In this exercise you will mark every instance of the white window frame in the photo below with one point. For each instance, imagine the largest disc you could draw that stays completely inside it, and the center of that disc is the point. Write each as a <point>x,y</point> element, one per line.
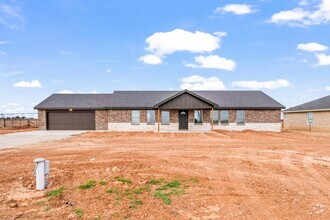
<point>169,115</point>
<point>308,118</point>
<point>132,120</point>
<point>224,123</point>
<point>201,113</point>
<point>240,123</point>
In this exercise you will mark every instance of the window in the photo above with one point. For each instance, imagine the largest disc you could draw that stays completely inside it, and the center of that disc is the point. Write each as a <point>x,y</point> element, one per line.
<point>240,117</point>
<point>165,117</point>
<point>224,116</point>
<point>310,118</point>
<point>151,117</point>
<point>215,116</point>
<point>198,117</point>
<point>135,117</point>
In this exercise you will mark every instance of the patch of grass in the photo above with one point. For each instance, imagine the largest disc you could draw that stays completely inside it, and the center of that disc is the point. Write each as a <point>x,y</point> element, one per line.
<point>135,202</point>
<point>102,182</point>
<point>88,185</point>
<point>137,191</point>
<point>123,180</point>
<point>171,184</point>
<point>57,192</point>
<point>113,190</point>
<point>163,196</point>
<point>79,212</point>
<point>154,182</point>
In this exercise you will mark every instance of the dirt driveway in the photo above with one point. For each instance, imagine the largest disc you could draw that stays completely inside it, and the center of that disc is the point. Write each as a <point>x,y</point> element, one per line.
<point>227,175</point>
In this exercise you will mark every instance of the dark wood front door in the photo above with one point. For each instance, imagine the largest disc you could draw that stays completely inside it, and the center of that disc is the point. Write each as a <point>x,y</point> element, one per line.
<point>183,120</point>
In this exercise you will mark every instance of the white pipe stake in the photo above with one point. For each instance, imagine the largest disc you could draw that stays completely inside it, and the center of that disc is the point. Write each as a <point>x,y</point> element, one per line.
<point>40,173</point>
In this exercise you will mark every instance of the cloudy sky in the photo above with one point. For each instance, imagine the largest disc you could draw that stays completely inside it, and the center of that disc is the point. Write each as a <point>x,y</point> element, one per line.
<point>70,46</point>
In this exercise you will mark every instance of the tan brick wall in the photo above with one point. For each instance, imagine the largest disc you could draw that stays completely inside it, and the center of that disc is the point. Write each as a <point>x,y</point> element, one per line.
<point>101,119</point>
<point>298,121</point>
<point>42,119</point>
<point>119,116</point>
<point>263,116</point>
<point>232,116</point>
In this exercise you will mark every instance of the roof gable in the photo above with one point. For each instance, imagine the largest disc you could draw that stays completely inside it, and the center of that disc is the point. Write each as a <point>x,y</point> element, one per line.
<point>185,99</point>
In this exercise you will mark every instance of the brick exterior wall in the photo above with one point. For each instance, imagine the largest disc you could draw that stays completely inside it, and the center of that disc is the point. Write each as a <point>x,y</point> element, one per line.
<point>263,116</point>
<point>298,121</point>
<point>232,116</point>
<point>101,119</point>
<point>42,123</point>
<point>119,116</point>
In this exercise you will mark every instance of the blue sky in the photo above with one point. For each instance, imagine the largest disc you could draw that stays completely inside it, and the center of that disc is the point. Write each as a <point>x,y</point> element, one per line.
<point>277,46</point>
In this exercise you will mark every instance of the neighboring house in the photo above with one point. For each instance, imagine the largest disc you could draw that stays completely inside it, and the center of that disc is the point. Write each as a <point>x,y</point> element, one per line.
<point>314,115</point>
<point>161,111</point>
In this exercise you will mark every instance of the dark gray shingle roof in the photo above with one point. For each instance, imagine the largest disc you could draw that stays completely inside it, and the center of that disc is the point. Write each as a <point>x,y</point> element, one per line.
<point>148,99</point>
<point>318,104</point>
<point>75,101</point>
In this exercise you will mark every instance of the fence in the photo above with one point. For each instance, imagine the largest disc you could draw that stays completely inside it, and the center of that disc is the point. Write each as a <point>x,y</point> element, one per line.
<point>18,120</point>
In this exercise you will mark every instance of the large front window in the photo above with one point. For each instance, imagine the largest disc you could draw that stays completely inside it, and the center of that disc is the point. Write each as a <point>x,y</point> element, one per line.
<point>198,117</point>
<point>224,116</point>
<point>240,117</point>
<point>135,117</point>
<point>165,117</point>
<point>215,117</point>
<point>151,117</point>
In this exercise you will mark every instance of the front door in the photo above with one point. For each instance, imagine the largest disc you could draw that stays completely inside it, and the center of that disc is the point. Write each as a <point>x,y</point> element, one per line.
<point>183,120</point>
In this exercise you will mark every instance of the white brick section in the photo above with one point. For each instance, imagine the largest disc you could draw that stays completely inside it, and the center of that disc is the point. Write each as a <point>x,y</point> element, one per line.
<point>192,127</point>
<point>250,126</point>
<point>130,127</point>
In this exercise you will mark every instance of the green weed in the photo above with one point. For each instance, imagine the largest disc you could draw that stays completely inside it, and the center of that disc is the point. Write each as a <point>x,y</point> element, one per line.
<point>88,185</point>
<point>56,192</point>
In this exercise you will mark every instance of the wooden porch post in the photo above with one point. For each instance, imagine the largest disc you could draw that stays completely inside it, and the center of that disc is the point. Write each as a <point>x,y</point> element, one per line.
<point>158,119</point>
<point>212,118</point>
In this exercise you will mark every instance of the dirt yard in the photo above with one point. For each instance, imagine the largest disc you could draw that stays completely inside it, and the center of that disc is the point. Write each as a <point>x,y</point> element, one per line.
<point>220,175</point>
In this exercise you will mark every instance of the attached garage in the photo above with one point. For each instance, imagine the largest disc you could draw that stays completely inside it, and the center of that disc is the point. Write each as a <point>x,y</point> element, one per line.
<point>71,120</point>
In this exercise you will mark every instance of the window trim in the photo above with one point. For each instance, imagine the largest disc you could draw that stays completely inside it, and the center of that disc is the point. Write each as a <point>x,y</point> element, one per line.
<point>241,123</point>
<point>151,123</point>
<point>214,111</point>
<point>132,117</point>
<point>161,118</point>
<point>224,123</point>
<point>310,113</point>
<point>198,123</point>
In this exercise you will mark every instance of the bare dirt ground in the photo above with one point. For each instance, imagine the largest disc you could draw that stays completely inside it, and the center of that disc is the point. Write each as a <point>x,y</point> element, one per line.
<point>8,131</point>
<point>219,175</point>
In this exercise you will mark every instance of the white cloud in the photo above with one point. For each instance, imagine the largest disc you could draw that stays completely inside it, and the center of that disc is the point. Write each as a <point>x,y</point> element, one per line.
<point>11,73</point>
<point>302,16</point>
<point>280,83</point>
<point>213,62</point>
<point>11,17</point>
<point>237,9</point>
<point>327,88</point>
<point>66,92</point>
<point>312,47</point>
<point>323,59</point>
<point>66,53</point>
<point>197,82</point>
<point>4,42</point>
<point>26,84</point>
<point>162,43</point>
<point>12,104</point>
<point>2,53</point>
<point>108,70</point>
<point>150,59</point>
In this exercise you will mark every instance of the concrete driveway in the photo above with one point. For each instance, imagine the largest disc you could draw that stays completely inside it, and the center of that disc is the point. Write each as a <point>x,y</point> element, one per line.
<point>25,138</point>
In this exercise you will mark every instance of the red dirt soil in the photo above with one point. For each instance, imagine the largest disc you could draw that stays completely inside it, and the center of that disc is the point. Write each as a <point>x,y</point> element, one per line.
<point>236,175</point>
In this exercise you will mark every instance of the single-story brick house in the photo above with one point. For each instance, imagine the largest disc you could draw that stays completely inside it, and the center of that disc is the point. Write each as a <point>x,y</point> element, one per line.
<point>314,115</point>
<point>161,111</point>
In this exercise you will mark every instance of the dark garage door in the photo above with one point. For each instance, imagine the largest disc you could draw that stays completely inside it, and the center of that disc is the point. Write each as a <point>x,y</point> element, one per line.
<point>75,120</point>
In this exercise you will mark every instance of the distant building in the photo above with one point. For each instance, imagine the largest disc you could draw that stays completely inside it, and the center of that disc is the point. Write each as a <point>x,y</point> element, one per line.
<point>314,115</point>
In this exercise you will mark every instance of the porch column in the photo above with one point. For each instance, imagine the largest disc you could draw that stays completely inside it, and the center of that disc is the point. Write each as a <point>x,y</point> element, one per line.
<point>212,118</point>
<point>158,119</point>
